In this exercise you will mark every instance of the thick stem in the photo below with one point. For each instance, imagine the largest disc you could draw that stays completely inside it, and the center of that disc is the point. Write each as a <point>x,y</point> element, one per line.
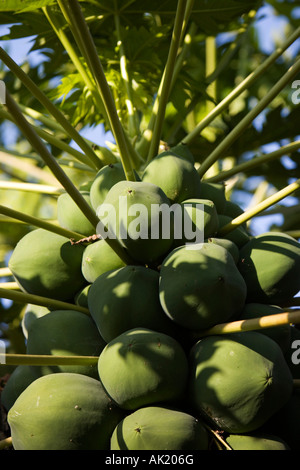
<point>53,110</point>
<point>48,360</point>
<point>249,118</point>
<point>31,187</point>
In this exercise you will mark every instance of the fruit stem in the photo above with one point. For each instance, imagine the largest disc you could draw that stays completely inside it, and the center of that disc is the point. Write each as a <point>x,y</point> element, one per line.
<point>48,360</point>
<point>249,214</point>
<point>56,113</point>
<point>244,85</point>
<point>31,187</point>
<point>5,272</point>
<point>252,324</point>
<point>76,20</point>
<point>25,298</point>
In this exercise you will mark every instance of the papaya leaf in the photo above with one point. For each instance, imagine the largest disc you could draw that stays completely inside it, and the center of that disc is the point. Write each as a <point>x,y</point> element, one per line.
<point>23,5</point>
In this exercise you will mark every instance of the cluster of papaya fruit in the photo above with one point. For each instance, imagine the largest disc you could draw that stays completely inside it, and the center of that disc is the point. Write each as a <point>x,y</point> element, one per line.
<point>160,380</point>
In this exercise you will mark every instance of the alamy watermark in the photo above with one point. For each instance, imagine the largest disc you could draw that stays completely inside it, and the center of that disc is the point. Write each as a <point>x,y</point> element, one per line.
<point>180,222</point>
<point>296,94</point>
<point>2,352</point>
<point>2,92</point>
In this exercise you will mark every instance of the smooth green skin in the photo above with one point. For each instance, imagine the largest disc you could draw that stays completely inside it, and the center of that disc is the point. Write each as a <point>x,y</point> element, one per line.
<point>105,179</point>
<point>176,176</point>
<point>149,248</point>
<point>201,287</point>
<point>63,411</point>
<point>142,367</point>
<point>270,265</point>
<point>81,298</point>
<point>228,244</point>
<point>256,442</point>
<point>127,298</point>
<point>183,151</point>
<point>32,312</point>
<point>238,235</point>
<point>71,217</point>
<point>98,258</point>
<point>46,264</point>
<point>281,334</point>
<point>20,378</point>
<point>214,192</point>
<point>159,428</point>
<point>200,215</point>
<point>239,380</point>
<point>233,210</point>
<point>65,333</point>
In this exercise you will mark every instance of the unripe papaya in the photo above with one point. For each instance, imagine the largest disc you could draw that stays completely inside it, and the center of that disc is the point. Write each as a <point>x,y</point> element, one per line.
<point>63,411</point>
<point>228,244</point>
<point>81,298</point>
<point>71,217</point>
<point>32,312</point>
<point>238,235</point>
<point>65,333</point>
<point>239,381</point>
<point>20,378</point>
<point>98,258</point>
<point>256,441</point>
<point>159,428</point>
<point>134,212</point>
<point>142,367</point>
<point>127,298</point>
<point>105,179</point>
<point>46,264</point>
<point>201,286</point>
<point>183,151</point>
<point>214,192</point>
<point>176,176</point>
<point>270,265</point>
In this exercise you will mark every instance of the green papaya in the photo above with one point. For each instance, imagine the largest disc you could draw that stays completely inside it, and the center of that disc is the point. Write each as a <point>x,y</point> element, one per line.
<point>270,265</point>
<point>98,258</point>
<point>214,192</point>
<point>81,298</point>
<point>256,441</point>
<point>63,411</point>
<point>239,381</point>
<point>65,333</point>
<point>183,151</point>
<point>238,235</point>
<point>127,298</point>
<point>228,244</point>
<point>135,213</point>
<point>279,333</point>
<point>199,220</point>
<point>201,286</point>
<point>142,367</point>
<point>69,215</point>
<point>20,378</point>
<point>233,210</point>
<point>46,264</point>
<point>105,179</point>
<point>32,312</point>
<point>176,176</point>
<point>159,428</point>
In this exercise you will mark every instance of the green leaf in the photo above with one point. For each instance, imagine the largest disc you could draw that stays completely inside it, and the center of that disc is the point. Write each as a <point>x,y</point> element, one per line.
<point>23,5</point>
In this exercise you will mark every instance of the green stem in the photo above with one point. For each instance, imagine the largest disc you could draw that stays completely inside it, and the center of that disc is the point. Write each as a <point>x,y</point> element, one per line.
<point>254,162</point>
<point>76,19</point>
<point>91,157</point>
<point>48,360</point>
<point>24,298</point>
<point>161,101</point>
<point>249,214</point>
<point>248,119</point>
<point>10,285</point>
<point>244,85</point>
<point>31,220</point>
<point>5,272</point>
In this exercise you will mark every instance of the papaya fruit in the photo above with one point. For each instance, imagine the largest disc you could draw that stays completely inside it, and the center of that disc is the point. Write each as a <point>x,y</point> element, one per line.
<point>238,235</point>
<point>256,441</point>
<point>32,312</point>
<point>239,380</point>
<point>183,151</point>
<point>63,411</point>
<point>228,244</point>
<point>19,379</point>
<point>270,265</point>
<point>46,264</point>
<point>135,214</point>
<point>214,192</point>
<point>69,215</point>
<point>127,298</point>
<point>201,286</point>
<point>65,333</point>
<point>142,367</point>
<point>176,176</point>
<point>199,220</point>
<point>105,179</point>
<point>159,428</point>
<point>81,298</point>
<point>98,258</point>
<point>279,333</point>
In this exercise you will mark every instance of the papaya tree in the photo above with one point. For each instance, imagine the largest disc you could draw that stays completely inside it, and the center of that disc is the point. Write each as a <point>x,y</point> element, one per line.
<point>168,102</point>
